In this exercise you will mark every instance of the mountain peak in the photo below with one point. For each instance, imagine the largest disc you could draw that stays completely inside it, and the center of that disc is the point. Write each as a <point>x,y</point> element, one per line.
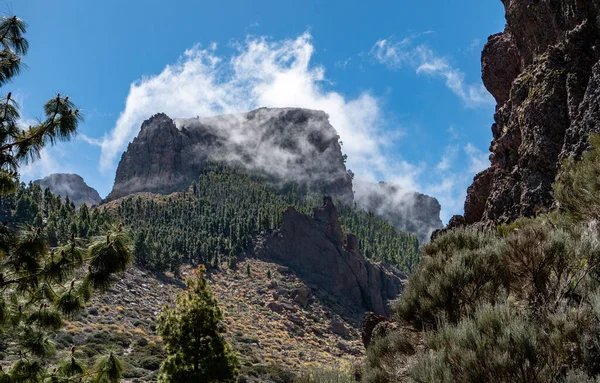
<point>286,144</point>
<point>72,186</point>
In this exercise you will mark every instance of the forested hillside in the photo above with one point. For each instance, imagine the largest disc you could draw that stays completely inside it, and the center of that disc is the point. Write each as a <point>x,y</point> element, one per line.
<point>213,222</point>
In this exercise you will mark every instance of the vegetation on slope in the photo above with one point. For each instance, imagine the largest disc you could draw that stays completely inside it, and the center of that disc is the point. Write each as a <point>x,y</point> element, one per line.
<point>40,285</point>
<point>519,303</point>
<point>213,222</point>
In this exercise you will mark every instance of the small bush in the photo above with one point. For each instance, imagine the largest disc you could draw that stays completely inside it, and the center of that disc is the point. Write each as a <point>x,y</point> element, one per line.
<point>387,358</point>
<point>322,375</point>
<point>497,345</point>
<point>576,190</point>
<point>459,270</point>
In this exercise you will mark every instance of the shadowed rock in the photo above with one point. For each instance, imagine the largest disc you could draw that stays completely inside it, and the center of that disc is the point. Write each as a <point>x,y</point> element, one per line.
<point>312,248</point>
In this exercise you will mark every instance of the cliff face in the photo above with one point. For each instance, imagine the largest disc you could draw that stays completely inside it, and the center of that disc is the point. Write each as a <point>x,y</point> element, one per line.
<point>544,72</point>
<point>72,186</point>
<point>286,144</point>
<point>407,211</point>
<point>314,248</point>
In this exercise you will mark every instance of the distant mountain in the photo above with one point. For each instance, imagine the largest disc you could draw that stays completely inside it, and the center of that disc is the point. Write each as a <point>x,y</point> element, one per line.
<point>286,144</point>
<point>406,210</point>
<point>72,186</point>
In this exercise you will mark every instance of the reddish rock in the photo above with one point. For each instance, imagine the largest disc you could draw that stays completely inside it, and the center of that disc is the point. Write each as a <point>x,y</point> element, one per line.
<point>544,72</point>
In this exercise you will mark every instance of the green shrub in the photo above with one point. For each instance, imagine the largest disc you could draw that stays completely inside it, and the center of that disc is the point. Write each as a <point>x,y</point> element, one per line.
<point>497,345</point>
<point>458,271</point>
<point>387,358</point>
<point>323,375</point>
<point>576,189</point>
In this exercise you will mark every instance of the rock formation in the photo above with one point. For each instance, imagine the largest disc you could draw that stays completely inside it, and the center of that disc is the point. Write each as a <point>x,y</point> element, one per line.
<point>72,186</point>
<point>544,72</point>
<point>286,144</point>
<point>314,249</point>
<point>406,210</point>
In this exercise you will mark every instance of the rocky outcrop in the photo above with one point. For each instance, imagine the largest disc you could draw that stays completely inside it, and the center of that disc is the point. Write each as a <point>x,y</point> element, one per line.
<point>544,72</point>
<point>286,145</point>
<point>313,249</point>
<point>72,186</point>
<point>406,210</point>
<point>370,321</point>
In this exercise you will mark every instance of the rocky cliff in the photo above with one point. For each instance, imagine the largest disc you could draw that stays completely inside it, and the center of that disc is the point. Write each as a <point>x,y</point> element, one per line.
<point>544,72</point>
<point>287,144</point>
<point>72,186</point>
<point>315,249</point>
<point>406,210</point>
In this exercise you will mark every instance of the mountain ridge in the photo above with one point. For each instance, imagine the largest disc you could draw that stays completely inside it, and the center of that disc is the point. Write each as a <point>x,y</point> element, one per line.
<point>72,186</point>
<point>289,144</point>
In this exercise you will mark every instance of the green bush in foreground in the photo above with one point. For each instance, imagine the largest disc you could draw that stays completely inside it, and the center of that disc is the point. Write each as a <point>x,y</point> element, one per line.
<point>516,304</point>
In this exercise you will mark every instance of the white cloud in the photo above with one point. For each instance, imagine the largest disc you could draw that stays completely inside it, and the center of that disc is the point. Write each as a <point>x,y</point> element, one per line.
<point>447,158</point>
<point>478,160</point>
<point>90,140</point>
<point>259,73</point>
<point>262,72</point>
<point>423,60</point>
<point>475,45</point>
<point>45,165</point>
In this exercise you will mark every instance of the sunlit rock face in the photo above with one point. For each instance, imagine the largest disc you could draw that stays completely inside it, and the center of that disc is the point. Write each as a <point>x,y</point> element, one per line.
<point>544,73</point>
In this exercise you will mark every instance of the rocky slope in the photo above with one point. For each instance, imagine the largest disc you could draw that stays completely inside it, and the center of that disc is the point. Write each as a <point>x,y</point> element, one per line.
<point>286,144</point>
<point>407,211</point>
<point>315,249</point>
<point>276,322</point>
<point>72,186</point>
<point>544,72</point>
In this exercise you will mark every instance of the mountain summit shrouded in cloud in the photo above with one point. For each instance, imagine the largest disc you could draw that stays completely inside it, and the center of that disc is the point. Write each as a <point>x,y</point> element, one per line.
<point>260,73</point>
<point>285,145</point>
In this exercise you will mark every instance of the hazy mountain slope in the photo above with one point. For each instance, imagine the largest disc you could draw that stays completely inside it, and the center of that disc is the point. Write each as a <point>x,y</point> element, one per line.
<point>406,210</point>
<point>283,145</point>
<point>72,186</point>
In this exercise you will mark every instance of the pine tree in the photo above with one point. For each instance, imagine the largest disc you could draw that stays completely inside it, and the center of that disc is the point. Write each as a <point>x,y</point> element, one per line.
<point>39,285</point>
<point>192,333</point>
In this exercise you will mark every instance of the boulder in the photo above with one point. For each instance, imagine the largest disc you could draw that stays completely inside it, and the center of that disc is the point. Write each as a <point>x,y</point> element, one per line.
<point>370,320</point>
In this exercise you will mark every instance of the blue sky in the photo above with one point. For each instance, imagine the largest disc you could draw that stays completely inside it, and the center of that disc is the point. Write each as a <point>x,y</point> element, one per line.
<point>400,80</point>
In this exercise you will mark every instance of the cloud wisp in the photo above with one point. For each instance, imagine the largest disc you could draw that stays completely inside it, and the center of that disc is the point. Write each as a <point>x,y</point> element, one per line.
<point>423,60</point>
<point>259,73</point>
